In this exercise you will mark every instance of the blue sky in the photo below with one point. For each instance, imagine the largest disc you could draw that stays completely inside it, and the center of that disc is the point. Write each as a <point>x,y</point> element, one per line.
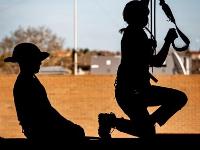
<point>98,20</point>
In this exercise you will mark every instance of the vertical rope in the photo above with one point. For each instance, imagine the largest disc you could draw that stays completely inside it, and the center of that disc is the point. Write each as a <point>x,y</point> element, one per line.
<point>155,23</point>
<point>151,24</point>
<point>151,14</point>
<point>155,19</point>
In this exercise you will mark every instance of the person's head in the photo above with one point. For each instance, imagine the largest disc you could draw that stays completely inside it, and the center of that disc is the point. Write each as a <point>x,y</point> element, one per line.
<point>136,13</point>
<point>28,56</point>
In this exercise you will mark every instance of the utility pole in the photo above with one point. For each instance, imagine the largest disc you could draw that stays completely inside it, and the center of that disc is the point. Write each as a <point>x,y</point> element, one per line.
<point>75,64</point>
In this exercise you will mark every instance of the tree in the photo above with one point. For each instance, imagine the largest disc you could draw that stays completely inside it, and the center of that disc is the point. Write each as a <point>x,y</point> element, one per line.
<point>41,36</point>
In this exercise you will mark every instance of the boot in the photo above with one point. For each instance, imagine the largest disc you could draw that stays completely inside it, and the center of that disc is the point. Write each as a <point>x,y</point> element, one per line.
<point>106,123</point>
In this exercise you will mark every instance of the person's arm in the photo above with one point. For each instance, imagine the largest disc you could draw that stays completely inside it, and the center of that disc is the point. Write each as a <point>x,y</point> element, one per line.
<point>160,58</point>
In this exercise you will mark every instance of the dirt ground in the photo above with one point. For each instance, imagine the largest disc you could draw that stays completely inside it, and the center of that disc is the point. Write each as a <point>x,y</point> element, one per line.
<point>81,98</point>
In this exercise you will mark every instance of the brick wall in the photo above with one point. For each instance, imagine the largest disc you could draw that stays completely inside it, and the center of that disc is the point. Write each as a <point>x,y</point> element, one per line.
<point>81,98</point>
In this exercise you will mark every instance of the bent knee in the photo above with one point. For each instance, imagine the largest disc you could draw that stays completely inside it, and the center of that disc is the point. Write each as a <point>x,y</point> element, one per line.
<point>182,99</point>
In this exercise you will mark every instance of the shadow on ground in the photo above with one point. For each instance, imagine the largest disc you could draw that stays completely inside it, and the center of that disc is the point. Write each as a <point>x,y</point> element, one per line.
<point>164,140</point>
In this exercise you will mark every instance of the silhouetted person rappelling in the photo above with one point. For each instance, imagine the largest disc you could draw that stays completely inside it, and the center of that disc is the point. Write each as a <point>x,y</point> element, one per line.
<point>39,120</point>
<point>133,90</point>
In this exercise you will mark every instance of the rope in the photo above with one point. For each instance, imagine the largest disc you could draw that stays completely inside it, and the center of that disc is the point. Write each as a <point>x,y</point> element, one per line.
<point>152,23</point>
<point>170,15</point>
<point>155,19</point>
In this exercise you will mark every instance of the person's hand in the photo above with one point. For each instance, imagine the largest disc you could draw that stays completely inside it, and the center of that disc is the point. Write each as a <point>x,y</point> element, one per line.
<point>171,35</point>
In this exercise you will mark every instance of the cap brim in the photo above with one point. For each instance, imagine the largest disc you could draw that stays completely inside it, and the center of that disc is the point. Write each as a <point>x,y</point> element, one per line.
<point>44,55</point>
<point>10,59</point>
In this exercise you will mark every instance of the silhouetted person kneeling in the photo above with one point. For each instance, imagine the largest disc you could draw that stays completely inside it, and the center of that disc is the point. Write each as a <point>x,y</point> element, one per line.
<point>133,90</point>
<point>39,120</point>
